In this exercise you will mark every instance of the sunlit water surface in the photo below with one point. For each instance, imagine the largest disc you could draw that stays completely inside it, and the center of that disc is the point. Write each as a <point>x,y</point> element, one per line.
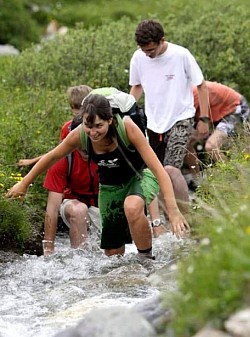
<point>40,296</point>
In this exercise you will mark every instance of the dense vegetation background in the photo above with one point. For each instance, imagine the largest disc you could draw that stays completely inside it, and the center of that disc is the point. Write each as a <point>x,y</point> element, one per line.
<point>96,51</point>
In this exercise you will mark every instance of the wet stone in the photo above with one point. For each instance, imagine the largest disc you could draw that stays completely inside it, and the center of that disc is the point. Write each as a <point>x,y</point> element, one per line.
<point>115,321</point>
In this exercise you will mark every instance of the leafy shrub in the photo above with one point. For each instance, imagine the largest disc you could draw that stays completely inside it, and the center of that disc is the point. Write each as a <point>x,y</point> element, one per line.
<point>88,12</point>
<point>31,123</point>
<point>16,25</point>
<point>14,229</point>
<point>33,119</point>
<point>100,56</point>
<point>218,38</point>
<point>95,57</point>
<point>218,272</point>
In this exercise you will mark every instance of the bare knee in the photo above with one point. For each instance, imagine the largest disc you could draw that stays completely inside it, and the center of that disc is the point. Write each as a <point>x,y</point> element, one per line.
<point>76,209</point>
<point>180,188</point>
<point>215,141</point>
<point>173,172</point>
<point>133,208</point>
<point>210,147</point>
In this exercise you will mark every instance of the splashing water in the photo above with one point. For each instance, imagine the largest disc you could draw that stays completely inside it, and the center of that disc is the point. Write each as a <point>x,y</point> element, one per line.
<point>43,295</point>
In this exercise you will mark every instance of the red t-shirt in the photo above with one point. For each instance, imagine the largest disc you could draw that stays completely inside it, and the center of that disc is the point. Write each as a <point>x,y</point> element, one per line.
<point>80,188</point>
<point>65,130</point>
<point>222,99</point>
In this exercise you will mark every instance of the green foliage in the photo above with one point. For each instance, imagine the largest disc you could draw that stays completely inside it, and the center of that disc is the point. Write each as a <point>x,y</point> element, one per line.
<point>88,13</point>
<point>34,119</point>
<point>217,274</point>
<point>14,229</point>
<point>96,57</point>
<point>16,25</point>
<point>99,56</point>
<point>219,41</point>
<point>30,123</point>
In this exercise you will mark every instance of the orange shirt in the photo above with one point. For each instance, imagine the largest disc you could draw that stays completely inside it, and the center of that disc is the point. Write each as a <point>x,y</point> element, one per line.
<point>222,99</point>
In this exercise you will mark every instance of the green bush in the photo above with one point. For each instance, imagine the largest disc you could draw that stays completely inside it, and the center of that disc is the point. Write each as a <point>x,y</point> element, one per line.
<point>16,25</point>
<point>218,38</point>
<point>88,12</point>
<point>30,123</point>
<point>96,57</point>
<point>15,228</point>
<point>100,56</point>
<point>216,273</point>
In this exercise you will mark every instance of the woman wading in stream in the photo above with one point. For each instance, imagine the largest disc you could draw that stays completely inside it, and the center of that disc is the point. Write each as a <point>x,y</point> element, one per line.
<point>126,187</point>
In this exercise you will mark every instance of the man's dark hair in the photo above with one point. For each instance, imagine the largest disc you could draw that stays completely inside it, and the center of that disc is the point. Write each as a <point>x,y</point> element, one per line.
<point>148,31</point>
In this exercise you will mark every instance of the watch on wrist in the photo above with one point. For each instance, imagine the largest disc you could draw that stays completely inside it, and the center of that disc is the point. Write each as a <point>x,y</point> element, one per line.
<point>204,119</point>
<point>156,223</point>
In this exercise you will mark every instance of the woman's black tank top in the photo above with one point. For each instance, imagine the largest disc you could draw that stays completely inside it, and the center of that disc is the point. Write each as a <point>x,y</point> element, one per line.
<point>119,166</point>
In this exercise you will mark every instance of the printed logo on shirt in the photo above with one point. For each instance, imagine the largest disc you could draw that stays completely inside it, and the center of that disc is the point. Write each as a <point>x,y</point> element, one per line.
<point>110,163</point>
<point>169,77</point>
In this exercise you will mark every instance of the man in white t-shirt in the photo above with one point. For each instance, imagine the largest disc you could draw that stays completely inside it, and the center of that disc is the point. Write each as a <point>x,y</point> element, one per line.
<point>165,73</point>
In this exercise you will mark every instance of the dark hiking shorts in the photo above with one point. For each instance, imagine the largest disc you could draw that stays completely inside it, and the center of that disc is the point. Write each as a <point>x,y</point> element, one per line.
<point>171,146</point>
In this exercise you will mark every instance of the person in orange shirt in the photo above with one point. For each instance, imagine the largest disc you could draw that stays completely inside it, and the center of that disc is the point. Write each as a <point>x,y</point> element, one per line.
<point>228,112</point>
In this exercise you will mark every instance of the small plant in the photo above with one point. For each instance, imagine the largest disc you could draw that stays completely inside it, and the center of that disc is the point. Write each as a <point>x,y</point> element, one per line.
<point>216,273</point>
<point>15,228</point>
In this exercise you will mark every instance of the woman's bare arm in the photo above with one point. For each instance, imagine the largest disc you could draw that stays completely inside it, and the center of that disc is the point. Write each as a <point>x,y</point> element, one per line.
<point>136,137</point>
<point>70,143</point>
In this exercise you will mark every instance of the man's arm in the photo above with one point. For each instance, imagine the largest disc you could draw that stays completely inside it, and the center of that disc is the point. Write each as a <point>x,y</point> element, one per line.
<point>136,91</point>
<point>203,126</point>
<point>50,223</point>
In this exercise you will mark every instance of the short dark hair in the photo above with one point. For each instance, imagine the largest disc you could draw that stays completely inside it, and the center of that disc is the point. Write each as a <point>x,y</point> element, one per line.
<point>148,31</point>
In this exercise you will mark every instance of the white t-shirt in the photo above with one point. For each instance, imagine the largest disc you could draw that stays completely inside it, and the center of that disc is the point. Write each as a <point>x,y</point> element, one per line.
<point>167,84</point>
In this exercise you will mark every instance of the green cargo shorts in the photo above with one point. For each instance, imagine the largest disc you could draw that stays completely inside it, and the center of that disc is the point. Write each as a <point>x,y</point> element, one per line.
<point>115,229</point>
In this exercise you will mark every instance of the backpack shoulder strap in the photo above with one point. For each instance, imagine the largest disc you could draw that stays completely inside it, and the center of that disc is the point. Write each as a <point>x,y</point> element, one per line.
<point>84,140</point>
<point>70,159</point>
<point>122,131</point>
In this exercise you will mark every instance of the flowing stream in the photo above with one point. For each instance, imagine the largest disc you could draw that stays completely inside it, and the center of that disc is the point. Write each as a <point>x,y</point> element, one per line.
<point>41,296</point>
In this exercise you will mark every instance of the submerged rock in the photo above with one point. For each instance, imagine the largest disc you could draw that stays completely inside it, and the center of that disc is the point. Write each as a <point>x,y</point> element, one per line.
<point>111,322</point>
<point>154,312</point>
<point>239,323</point>
<point>8,257</point>
<point>209,332</point>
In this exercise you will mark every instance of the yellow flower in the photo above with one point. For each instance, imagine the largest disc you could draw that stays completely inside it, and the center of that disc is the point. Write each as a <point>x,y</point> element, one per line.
<point>248,230</point>
<point>18,178</point>
<point>246,156</point>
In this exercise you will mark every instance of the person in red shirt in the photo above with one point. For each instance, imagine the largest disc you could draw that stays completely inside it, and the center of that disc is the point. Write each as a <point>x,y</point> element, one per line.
<point>74,197</point>
<point>228,112</point>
